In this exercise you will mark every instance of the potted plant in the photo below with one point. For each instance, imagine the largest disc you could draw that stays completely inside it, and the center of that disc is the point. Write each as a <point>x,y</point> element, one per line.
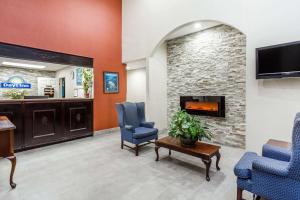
<point>87,81</point>
<point>187,128</point>
<point>15,93</point>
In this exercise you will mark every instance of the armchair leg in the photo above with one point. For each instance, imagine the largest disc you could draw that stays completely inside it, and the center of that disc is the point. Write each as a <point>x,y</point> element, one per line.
<point>122,144</point>
<point>136,150</point>
<point>239,195</point>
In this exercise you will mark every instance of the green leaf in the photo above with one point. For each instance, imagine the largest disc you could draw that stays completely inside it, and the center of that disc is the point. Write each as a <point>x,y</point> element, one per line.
<point>185,125</point>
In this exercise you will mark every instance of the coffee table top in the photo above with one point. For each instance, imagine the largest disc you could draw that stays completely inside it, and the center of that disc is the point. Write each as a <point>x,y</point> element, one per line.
<point>5,124</point>
<point>201,149</point>
<point>279,143</point>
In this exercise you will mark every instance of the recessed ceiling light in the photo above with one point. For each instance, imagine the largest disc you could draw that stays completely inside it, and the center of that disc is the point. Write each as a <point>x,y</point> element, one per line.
<point>24,65</point>
<point>197,25</point>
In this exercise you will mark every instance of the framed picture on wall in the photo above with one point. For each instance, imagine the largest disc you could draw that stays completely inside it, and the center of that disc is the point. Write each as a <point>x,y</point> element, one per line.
<point>78,76</point>
<point>111,82</point>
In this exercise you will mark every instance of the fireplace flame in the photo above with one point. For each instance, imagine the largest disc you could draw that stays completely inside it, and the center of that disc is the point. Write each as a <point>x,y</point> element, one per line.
<point>205,106</point>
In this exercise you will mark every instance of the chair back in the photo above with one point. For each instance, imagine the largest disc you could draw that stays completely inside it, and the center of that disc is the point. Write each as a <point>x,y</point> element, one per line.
<point>294,166</point>
<point>297,116</point>
<point>130,113</point>
<point>120,111</point>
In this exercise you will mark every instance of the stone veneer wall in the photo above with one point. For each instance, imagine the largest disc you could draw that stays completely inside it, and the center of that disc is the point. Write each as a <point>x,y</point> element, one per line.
<point>29,75</point>
<point>211,62</point>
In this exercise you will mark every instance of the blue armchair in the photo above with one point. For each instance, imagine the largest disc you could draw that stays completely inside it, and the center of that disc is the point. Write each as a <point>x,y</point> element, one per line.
<point>270,178</point>
<point>278,153</point>
<point>134,128</point>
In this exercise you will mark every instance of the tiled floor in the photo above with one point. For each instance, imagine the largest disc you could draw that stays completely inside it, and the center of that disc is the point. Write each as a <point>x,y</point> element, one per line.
<point>96,168</point>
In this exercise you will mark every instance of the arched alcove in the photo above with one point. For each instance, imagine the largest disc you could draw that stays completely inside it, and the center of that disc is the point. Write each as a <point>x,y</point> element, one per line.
<point>207,23</point>
<point>208,61</point>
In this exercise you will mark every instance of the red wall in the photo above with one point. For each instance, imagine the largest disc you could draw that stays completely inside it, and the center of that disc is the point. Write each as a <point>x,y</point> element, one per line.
<point>82,27</point>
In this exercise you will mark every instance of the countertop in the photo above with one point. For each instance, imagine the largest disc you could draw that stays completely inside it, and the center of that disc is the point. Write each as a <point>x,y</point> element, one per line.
<point>44,100</point>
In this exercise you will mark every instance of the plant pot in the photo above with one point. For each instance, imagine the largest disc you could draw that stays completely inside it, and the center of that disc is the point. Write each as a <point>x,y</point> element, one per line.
<point>86,95</point>
<point>188,142</point>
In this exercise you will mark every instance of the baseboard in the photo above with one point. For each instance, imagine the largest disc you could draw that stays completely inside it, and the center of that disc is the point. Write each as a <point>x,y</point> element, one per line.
<point>105,131</point>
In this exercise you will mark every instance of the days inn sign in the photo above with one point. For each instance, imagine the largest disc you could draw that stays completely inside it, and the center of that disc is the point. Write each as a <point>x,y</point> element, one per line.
<point>15,82</point>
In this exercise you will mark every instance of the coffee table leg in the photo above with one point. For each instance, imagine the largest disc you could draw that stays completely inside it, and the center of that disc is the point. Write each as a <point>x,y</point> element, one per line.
<point>218,160</point>
<point>169,152</point>
<point>156,150</point>
<point>13,167</point>
<point>207,164</point>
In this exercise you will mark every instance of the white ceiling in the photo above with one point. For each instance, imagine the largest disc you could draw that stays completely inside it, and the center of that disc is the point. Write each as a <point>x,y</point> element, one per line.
<point>48,66</point>
<point>190,28</point>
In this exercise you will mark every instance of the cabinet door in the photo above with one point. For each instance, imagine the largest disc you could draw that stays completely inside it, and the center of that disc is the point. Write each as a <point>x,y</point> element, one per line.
<point>78,119</point>
<point>14,114</point>
<point>43,123</point>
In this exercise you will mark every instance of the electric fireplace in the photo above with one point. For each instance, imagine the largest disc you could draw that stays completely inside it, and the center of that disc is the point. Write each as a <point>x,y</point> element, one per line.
<point>204,105</point>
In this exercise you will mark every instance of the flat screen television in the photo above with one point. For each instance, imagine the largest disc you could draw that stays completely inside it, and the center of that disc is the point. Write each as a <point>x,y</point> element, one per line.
<point>278,61</point>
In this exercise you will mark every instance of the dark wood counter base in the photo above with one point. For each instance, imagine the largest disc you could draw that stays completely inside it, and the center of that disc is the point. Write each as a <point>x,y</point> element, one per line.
<point>48,121</point>
<point>201,150</point>
<point>54,142</point>
<point>7,145</point>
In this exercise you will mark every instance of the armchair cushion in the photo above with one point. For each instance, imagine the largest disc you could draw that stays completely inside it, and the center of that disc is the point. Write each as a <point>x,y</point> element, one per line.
<point>277,153</point>
<point>243,168</point>
<point>147,124</point>
<point>142,132</point>
<point>271,166</point>
<point>129,128</point>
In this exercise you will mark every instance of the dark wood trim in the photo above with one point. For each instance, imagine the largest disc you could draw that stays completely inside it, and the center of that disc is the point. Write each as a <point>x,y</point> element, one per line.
<point>136,147</point>
<point>27,116</point>
<point>136,150</point>
<point>104,72</point>
<point>50,100</point>
<point>70,118</point>
<point>41,55</point>
<point>55,142</point>
<point>34,122</point>
<point>239,194</point>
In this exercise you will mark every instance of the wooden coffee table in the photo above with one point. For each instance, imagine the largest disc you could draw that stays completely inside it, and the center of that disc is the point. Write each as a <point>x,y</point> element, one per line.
<point>201,150</point>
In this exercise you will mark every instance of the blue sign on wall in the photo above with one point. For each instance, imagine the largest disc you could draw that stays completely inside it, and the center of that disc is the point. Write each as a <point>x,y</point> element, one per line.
<point>15,82</point>
<point>15,85</point>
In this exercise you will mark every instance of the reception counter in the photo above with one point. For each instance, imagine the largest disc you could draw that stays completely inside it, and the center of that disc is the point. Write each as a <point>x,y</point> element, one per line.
<point>41,122</point>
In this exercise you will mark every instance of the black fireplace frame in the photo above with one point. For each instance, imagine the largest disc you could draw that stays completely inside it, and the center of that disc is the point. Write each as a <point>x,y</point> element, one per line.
<point>218,99</point>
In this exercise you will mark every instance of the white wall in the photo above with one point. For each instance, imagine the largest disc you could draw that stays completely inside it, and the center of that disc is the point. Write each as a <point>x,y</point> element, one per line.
<point>157,87</point>
<point>136,85</point>
<point>69,81</point>
<point>271,104</point>
<point>69,74</point>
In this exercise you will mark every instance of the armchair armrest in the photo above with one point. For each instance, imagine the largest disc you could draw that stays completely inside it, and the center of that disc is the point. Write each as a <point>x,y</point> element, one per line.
<point>129,128</point>
<point>275,152</point>
<point>147,124</point>
<point>271,166</point>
